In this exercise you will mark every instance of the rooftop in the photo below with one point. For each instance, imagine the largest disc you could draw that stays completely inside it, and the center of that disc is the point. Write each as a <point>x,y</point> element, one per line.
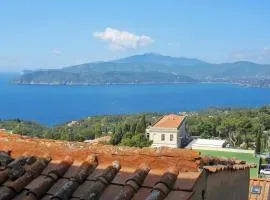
<point>170,121</point>
<point>32,169</point>
<point>259,189</point>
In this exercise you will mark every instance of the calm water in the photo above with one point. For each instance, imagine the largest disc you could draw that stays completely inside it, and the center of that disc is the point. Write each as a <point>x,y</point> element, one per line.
<point>55,104</point>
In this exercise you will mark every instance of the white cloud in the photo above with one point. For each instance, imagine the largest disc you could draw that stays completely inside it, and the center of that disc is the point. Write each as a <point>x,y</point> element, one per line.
<point>57,51</point>
<point>122,40</point>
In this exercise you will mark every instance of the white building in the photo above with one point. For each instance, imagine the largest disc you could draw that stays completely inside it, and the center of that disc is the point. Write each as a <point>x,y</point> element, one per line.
<point>206,144</point>
<point>168,131</point>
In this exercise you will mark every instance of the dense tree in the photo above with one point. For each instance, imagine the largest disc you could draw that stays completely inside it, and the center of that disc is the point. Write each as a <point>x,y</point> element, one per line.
<point>258,144</point>
<point>228,130</point>
<point>265,120</point>
<point>117,136</point>
<point>141,126</point>
<point>240,127</point>
<point>98,131</point>
<point>133,128</point>
<point>243,127</point>
<point>137,140</point>
<point>126,127</point>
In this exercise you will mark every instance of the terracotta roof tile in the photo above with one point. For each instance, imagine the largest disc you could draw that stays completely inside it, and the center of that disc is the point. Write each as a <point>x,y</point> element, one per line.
<point>5,159</point>
<point>73,170</point>
<point>133,183</point>
<point>103,180</point>
<point>215,164</point>
<point>183,195</point>
<point>3,176</point>
<point>170,121</point>
<point>46,197</point>
<point>123,175</point>
<point>7,193</point>
<point>110,192</point>
<point>40,186</point>
<point>164,185</point>
<point>142,193</point>
<point>25,196</point>
<point>82,190</point>
<point>259,189</point>
<point>57,186</point>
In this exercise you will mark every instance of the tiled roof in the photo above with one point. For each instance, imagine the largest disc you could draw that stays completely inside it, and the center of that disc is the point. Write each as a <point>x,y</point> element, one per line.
<point>259,189</point>
<point>169,121</point>
<point>32,169</point>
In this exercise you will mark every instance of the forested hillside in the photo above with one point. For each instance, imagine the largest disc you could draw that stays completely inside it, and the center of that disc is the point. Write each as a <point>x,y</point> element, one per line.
<point>245,128</point>
<point>123,129</point>
<point>150,68</point>
<point>248,128</point>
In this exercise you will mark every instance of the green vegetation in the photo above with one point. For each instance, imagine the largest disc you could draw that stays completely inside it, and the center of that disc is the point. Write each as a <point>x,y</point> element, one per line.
<point>241,128</point>
<point>249,158</point>
<point>112,77</point>
<point>245,128</point>
<point>124,129</point>
<point>28,128</point>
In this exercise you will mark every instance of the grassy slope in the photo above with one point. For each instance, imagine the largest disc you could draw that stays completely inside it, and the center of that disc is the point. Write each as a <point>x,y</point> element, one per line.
<point>242,156</point>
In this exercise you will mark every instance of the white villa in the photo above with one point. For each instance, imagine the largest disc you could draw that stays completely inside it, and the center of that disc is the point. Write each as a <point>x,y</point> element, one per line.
<point>168,131</point>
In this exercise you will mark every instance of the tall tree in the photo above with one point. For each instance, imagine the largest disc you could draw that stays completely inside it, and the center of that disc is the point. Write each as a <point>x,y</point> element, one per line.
<point>258,144</point>
<point>133,128</point>
<point>244,127</point>
<point>126,127</point>
<point>117,136</point>
<point>227,128</point>
<point>141,126</point>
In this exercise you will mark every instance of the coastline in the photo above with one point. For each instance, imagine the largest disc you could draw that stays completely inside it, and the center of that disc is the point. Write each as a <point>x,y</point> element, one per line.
<point>143,83</point>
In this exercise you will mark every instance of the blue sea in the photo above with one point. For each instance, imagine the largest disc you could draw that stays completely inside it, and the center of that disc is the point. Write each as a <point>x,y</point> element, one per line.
<point>51,105</point>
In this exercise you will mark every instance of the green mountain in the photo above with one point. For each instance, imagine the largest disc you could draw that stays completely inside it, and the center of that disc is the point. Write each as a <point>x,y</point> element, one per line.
<point>148,68</point>
<point>111,77</point>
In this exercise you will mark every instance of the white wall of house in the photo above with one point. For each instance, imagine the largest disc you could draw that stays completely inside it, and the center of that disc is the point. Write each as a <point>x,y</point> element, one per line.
<point>164,137</point>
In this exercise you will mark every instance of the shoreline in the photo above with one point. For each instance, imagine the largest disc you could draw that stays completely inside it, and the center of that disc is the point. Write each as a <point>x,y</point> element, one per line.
<point>142,83</point>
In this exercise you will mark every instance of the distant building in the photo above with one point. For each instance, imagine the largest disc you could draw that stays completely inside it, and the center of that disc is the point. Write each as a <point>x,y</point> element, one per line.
<point>72,123</point>
<point>206,144</point>
<point>168,131</point>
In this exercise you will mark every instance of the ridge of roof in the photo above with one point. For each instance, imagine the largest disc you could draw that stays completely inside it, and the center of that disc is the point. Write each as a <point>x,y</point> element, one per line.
<point>259,179</point>
<point>214,164</point>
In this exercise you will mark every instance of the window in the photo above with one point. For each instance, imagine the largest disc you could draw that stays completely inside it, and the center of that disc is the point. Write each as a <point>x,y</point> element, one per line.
<point>256,189</point>
<point>171,137</point>
<point>162,137</point>
<point>147,136</point>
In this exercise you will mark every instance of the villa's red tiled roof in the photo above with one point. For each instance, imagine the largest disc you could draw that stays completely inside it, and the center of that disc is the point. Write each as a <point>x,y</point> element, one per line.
<point>32,169</point>
<point>170,121</point>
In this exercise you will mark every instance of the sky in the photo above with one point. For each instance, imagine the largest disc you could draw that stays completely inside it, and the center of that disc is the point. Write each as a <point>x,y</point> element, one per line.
<point>52,34</point>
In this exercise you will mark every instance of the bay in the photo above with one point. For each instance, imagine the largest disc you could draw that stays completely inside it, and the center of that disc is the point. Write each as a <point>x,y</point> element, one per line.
<point>51,105</point>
